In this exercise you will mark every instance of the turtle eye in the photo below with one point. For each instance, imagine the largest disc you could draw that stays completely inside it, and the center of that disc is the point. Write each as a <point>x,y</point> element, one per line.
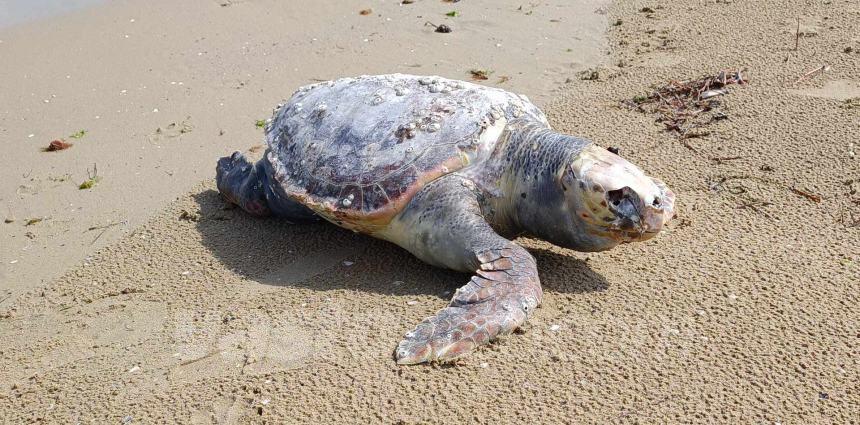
<point>656,201</point>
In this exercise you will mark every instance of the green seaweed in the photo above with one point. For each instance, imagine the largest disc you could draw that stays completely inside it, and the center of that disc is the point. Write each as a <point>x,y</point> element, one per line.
<point>78,135</point>
<point>89,183</point>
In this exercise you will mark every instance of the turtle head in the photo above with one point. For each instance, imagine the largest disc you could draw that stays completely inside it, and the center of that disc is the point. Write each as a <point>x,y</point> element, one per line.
<point>611,201</point>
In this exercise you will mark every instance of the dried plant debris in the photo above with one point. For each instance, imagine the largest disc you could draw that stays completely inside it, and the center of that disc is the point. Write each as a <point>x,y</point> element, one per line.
<point>171,131</point>
<point>444,29</point>
<point>847,215</point>
<point>686,105</point>
<point>189,216</point>
<point>365,12</point>
<point>850,103</point>
<point>723,159</point>
<point>480,74</point>
<point>811,196</point>
<point>753,204</point>
<point>57,145</point>
<point>60,179</point>
<point>104,229</point>
<point>814,72</point>
<point>592,74</point>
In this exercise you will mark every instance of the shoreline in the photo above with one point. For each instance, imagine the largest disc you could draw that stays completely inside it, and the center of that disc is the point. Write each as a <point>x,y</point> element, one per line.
<point>18,14</point>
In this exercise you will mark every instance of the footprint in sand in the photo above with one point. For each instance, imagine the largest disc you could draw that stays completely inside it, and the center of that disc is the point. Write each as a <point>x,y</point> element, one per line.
<point>836,89</point>
<point>211,344</point>
<point>225,410</point>
<point>58,338</point>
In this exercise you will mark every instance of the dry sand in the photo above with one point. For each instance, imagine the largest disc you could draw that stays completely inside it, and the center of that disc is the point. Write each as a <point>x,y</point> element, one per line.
<point>744,311</point>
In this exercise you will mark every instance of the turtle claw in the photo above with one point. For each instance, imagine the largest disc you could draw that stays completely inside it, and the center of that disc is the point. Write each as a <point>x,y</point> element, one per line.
<point>417,352</point>
<point>456,350</point>
<point>409,352</point>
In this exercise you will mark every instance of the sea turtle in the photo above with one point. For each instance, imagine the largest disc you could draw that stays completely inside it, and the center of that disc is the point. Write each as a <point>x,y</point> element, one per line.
<point>451,171</point>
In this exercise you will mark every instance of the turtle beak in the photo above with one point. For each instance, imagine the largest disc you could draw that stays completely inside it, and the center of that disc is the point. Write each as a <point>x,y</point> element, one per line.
<point>628,209</point>
<point>639,220</point>
<point>630,212</point>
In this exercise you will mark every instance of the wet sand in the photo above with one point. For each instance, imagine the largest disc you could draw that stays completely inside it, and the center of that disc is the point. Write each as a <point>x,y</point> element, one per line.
<point>744,310</point>
<point>163,91</point>
<point>20,12</point>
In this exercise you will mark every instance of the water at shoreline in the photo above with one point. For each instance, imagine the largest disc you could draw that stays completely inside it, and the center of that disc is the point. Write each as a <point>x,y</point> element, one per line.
<point>14,12</point>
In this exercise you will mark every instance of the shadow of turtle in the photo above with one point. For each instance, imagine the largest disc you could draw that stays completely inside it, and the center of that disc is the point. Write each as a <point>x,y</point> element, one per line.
<point>323,257</point>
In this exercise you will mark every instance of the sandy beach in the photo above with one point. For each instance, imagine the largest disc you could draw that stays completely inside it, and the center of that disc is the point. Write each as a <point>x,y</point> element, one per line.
<point>144,299</point>
<point>162,91</point>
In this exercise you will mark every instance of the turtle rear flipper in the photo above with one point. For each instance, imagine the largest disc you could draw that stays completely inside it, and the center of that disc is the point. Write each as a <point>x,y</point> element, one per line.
<point>442,223</point>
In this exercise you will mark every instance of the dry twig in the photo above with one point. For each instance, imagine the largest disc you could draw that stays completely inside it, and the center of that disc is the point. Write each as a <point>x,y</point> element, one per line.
<point>722,159</point>
<point>104,229</point>
<point>813,73</point>
<point>797,35</point>
<point>685,105</point>
<point>811,196</point>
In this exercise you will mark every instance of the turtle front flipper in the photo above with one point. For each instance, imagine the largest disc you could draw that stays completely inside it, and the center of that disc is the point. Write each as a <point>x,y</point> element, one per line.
<point>495,302</point>
<point>444,226</point>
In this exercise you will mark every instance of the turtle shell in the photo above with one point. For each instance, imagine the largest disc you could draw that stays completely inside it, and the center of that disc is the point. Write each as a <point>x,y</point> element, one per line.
<point>355,150</point>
